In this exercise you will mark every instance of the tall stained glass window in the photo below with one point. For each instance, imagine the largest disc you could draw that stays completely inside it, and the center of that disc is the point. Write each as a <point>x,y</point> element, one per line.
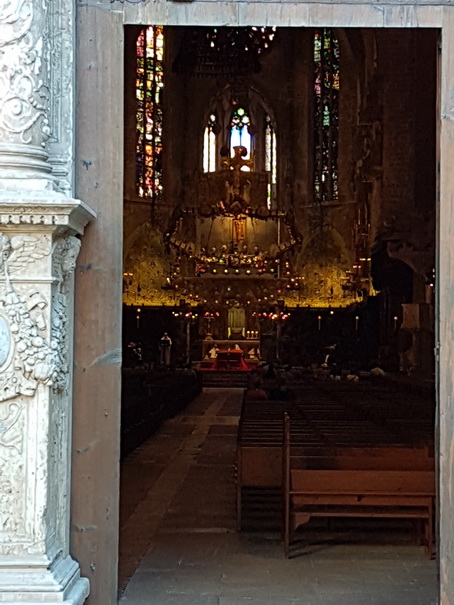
<point>270,159</point>
<point>239,131</point>
<point>209,145</point>
<point>149,86</point>
<point>326,115</point>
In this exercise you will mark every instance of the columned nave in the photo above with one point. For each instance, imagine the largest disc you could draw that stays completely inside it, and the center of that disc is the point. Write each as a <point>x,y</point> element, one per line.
<point>179,545</point>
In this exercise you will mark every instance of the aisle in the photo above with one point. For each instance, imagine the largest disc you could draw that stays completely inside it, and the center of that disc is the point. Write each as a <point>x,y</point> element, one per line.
<point>178,526</point>
<point>181,479</point>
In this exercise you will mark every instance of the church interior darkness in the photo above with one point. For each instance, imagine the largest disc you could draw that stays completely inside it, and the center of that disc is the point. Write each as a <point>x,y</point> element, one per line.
<point>279,207</point>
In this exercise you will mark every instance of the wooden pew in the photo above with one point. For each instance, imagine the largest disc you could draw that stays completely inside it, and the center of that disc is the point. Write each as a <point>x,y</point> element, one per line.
<point>259,444</point>
<point>259,447</point>
<point>358,487</point>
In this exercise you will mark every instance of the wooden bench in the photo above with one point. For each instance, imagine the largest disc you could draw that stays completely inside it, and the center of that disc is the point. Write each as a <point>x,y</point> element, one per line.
<point>321,426</point>
<point>357,487</point>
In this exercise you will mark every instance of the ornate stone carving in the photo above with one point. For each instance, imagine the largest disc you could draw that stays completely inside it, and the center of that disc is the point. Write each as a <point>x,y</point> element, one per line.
<point>35,359</point>
<point>37,93</point>
<point>61,84</point>
<point>66,251</point>
<point>24,93</point>
<point>12,473</point>
<point>10,434</point>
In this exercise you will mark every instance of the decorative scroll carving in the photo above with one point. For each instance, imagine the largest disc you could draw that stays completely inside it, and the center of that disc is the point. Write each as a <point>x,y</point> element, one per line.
<point>24,92</point>
<point>61,83</point>
<point>10,433</point>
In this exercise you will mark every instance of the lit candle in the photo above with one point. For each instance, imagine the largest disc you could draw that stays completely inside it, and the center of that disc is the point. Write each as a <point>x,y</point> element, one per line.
<point>319,322</point>
<point>356,322</point>
<point>395,322</point>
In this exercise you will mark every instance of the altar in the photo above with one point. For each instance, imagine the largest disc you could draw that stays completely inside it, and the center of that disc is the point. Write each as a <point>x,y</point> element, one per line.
<point>250,347</point>
<point>230,354</point>
<point>230,359</point>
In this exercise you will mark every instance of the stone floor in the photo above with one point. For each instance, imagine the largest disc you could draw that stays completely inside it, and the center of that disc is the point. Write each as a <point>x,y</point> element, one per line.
<point>178,542</point>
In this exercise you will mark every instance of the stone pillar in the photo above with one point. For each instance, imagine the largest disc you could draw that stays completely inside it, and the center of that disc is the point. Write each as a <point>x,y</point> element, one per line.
<point>39,244</point>
<point>38,247</point>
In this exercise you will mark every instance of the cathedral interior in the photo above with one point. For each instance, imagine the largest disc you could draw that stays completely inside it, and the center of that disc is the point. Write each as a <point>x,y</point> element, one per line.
<point>280,189</point>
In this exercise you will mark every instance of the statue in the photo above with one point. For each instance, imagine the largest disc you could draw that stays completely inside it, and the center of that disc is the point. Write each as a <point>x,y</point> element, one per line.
<point>213,352</point>
<point>237,196</point>
<point>165,346</point>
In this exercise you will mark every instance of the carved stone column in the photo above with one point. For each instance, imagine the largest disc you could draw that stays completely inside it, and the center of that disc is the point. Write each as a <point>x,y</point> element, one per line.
<point>39,244</point>
<point>38,252</point>
<point>36,94</point>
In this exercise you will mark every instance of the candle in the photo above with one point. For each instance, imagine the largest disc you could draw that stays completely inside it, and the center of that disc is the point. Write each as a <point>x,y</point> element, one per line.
<point>319,322</point>
<point>395,322</point>
<point>356,322</point>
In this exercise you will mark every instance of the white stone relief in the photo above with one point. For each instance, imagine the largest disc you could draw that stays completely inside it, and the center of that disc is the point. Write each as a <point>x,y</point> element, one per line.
<point>12,472</point>
<point>35,359</point>
<point>66,251</point>
<point>20,251</point>
<point>24,93</point>
<point>10,433</point>
<point>61,84</point>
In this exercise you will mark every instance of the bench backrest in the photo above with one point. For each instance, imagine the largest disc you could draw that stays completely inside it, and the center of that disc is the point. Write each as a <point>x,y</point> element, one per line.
<point>363,482</point>
<point>366,462</point>
<point>355,474</point>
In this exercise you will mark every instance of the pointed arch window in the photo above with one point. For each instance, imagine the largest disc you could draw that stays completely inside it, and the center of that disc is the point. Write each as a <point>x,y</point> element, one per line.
<point>259,140</point>
<point>270,160</point>
<point>209,145</point>
<point>239,132</point>
<point>326,114</point>
<point>149,88</point>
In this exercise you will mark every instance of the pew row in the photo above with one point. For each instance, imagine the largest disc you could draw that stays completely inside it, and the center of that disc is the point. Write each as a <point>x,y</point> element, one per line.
<point>356,487</point>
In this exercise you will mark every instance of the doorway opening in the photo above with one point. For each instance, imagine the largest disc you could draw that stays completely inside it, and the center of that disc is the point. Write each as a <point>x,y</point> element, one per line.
<point>280,190</point>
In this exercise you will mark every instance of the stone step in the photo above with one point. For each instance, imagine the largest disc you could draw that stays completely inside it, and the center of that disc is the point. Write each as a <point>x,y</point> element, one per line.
<point>224,379</point>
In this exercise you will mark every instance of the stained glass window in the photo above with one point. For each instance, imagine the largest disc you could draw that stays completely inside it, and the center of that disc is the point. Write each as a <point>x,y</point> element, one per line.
<point>270,159</point>
<point>239,132</point>
<point>209,145</point>
<point>149,87</point>
<point>326,115</point>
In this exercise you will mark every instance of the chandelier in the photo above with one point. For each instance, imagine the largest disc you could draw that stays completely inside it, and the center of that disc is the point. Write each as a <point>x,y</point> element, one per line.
<point>223,52</point>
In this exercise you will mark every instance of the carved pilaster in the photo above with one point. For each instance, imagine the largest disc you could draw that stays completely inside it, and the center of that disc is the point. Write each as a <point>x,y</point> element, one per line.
<point>38,252</point>
<point>36,94</point>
